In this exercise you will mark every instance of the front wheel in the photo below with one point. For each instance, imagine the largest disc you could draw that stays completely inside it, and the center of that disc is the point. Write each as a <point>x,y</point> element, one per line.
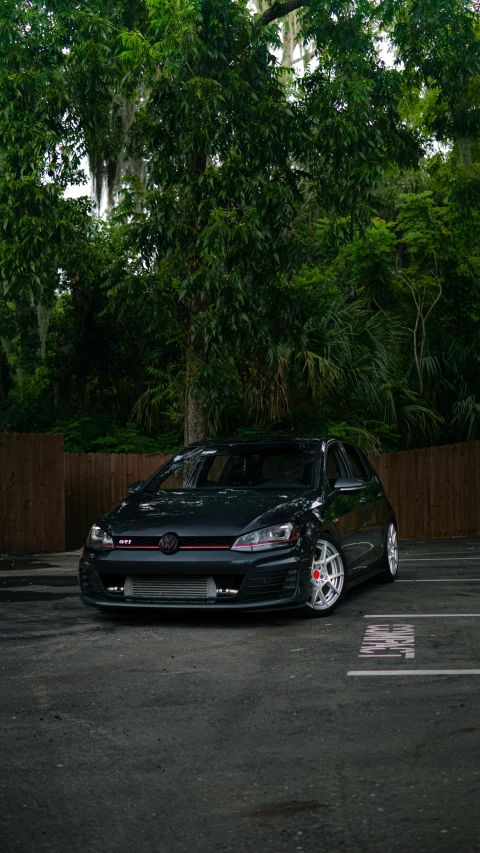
<point>389,561</point>
<point>328,579</point>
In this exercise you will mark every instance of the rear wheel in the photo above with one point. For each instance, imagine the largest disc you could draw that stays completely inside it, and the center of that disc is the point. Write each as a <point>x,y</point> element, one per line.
<point>328,579</point>
<point>389,561</point>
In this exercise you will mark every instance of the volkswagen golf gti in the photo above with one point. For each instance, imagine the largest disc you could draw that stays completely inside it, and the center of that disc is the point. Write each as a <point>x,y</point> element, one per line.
<point>253,524</point>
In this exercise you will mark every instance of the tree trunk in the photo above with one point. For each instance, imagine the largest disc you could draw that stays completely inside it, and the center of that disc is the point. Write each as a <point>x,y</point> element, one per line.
<point>289,39</point>
<point>3,393</point>
<point>195,426</point>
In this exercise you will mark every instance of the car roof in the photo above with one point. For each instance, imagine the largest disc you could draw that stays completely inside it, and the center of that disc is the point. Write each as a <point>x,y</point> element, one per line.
<point>262,439</point>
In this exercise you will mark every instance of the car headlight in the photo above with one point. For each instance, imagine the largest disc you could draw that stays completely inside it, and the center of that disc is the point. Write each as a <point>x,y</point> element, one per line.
<point>267,537</point>
<point>98,538</point>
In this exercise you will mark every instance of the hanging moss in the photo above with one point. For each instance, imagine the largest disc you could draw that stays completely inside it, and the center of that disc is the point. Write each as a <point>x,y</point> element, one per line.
<point>109,165</point>
<point>44,316</point>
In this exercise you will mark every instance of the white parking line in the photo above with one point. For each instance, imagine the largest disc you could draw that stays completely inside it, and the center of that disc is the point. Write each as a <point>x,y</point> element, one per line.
<point>437,559</point>
<point>421,615</point>
<point>439,580</point>
<point>383,672</point>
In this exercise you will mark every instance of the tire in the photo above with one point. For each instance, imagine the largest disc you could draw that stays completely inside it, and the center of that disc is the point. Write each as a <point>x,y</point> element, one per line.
<point>389,562</point>
<point>328,578</point>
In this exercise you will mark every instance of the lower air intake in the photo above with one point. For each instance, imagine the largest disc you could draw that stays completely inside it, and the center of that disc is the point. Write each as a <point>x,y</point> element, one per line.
<point>171,588</point>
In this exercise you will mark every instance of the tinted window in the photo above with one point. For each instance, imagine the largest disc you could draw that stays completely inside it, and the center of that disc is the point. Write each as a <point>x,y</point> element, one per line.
<point>333,466</point>
<point>178,473</point>
<point>356,463</point>
<point>372,474</point>
<point>240,466</point>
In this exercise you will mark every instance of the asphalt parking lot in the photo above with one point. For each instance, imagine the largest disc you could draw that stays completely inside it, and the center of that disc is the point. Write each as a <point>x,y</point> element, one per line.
<point>166,734</point>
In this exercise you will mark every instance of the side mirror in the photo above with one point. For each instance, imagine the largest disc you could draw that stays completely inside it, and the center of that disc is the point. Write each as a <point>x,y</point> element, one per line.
<point>135,487</point>
<point>348,484</point>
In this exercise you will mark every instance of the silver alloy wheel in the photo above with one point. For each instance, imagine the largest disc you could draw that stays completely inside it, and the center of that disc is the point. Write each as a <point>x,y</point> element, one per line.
<point>327,576</point>
<point>392,549</point>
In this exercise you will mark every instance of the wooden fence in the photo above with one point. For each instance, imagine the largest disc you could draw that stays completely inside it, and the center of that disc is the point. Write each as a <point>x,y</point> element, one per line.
<point>435,491</point>
<point>49,499</point>
<point>32,493</point>
<point>96,482</point>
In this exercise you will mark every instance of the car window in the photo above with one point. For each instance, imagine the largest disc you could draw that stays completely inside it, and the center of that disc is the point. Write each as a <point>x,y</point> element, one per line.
<point>212,473</point>
<point>356,463</point>
<point>179,473</point>
<point>372,474</point>
<point>333,465</point>
<point>260,466</point>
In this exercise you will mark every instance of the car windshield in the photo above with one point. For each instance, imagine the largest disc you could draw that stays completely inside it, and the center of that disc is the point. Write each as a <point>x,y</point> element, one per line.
<point>262,466</point>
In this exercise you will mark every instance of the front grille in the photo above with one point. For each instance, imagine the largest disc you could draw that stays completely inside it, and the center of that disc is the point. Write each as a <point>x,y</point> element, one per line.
<point>187,542</point>
<point>171,588</point>
<point>267,584</point>
<point>206,541</point>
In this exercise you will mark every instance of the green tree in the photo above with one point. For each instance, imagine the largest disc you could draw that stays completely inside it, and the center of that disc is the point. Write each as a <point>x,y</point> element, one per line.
<point>230,142</point>
<point>240,181</point>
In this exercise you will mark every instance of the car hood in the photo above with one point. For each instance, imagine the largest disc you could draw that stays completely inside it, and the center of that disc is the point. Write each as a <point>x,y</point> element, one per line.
<point>225,512</point>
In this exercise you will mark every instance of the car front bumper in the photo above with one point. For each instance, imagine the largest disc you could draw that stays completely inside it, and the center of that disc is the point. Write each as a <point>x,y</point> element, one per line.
<point>234,580</point>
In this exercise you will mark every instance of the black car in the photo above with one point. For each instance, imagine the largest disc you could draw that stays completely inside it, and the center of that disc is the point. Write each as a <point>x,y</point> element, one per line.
<point>254,524</point>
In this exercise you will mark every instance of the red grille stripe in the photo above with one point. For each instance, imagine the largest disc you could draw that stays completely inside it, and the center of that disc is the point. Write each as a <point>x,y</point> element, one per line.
<point>136,547</point>
<point>204,547</point>
<point>182,547</point>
